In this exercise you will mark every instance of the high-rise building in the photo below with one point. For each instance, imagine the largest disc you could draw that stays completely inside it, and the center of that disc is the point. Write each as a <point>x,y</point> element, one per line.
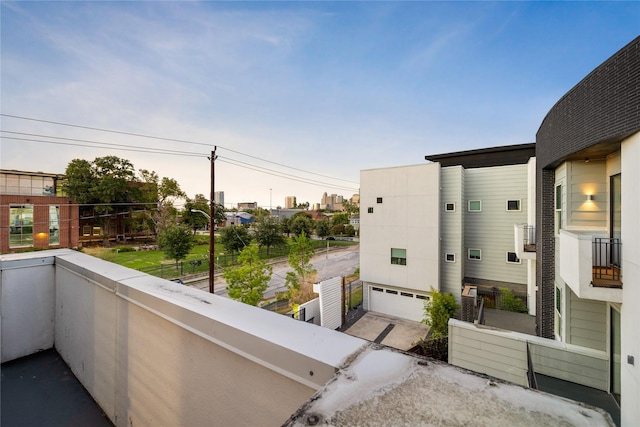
<point>218,197</point>
<point>290,202</point>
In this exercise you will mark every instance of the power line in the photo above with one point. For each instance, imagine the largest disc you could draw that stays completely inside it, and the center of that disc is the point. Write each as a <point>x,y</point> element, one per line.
<point>112,147</point>
<point>108,144</point>
<point>170,140</point>
<point>283,175</point>
<point>123,147</point>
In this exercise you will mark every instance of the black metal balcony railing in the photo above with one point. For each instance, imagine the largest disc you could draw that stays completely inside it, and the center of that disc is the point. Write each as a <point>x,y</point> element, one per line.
<point>529,238</point>
<point>607,271</point>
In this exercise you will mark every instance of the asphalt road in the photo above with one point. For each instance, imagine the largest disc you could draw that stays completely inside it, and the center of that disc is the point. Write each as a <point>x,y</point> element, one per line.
<point>337,262</point>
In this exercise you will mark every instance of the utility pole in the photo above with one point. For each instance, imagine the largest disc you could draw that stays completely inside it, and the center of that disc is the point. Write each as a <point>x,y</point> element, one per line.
<point>212,221</point>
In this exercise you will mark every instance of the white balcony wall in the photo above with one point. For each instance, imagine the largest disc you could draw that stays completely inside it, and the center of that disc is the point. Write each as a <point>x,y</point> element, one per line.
<point>27,305</point>
<point>576,263</point>
<point>153,352</point>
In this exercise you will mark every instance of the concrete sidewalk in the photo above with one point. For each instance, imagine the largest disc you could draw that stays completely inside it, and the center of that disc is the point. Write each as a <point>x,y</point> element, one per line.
<point>376,327</point>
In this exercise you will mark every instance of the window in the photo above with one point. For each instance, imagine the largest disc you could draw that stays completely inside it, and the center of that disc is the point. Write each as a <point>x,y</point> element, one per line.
<point>20,226</point>
<point>513,205</point>
<point>558,316</point>
<point>376,289</point>
<point>475,254</point>
<point>398,256</point>
<point>558,208</point>
<point>391,291</point>
<point>450,207</point>
<point>379,200</point>
<point>418,296</point>
<point>406,294</point>
<point>512,258</point>
<point>450,257</point>
<point>475,206</point>
<point>370,210</point>
<point>54,225</point>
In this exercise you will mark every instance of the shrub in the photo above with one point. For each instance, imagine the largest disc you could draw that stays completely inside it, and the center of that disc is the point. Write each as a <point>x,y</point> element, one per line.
<point>438,311</point>
<point>200,240</point>
<point>509,302</point>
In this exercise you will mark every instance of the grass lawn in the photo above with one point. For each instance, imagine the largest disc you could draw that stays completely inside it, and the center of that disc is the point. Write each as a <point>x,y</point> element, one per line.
<point>155,258</point>
<point>143,259</point>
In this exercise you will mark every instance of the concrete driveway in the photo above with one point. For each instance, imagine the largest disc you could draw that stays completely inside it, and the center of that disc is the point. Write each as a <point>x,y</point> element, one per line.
<point>391,331</point>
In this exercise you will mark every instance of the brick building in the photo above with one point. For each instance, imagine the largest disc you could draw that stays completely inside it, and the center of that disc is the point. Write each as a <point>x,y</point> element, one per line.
<point>34,213</point>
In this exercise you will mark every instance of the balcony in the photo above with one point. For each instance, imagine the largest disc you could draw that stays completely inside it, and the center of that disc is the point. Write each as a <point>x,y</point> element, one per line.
<point>525,241</point>
<point>152,352</point>
<point>590,265</point>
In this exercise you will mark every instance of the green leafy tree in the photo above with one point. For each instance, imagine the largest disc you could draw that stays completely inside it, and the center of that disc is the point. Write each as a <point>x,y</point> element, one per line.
<point>337,230</point>
<point>248,281</point>
<point>161,193</point>
<point>438,311</point>
<point>234,238</point>
<point>350,208</point>
<point>106,183</point>
<point>300,254</point>
<point>323,227</point>
<point>340,218</point>
<point>176,242</point>
<point>80,180</point>
<point>260,214</point>
<point>285,224</point>
<point>196,220</point>
<point>301,223</point>
<point>349,231</point>
<point>268,233</point>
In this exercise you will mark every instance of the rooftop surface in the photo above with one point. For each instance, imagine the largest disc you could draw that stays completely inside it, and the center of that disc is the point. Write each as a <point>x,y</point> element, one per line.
<point>386,387</point>
<point>41,390</point>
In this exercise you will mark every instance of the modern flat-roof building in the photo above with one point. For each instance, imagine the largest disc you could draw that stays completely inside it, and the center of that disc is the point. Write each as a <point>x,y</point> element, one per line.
<point>588,235</point>
<point>34,213</point>
<point>443,225</point>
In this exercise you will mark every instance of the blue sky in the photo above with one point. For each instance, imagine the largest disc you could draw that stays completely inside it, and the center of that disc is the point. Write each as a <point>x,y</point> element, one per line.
<point>327,88</point>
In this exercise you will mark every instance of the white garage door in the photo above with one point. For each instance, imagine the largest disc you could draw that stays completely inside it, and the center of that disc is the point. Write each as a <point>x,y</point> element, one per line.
<point>404,304</point>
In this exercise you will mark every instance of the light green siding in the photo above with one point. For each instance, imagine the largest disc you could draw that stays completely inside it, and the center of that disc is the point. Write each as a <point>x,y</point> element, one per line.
<point>587,323</point>
<point>491,230</point>
<point>451,226</point>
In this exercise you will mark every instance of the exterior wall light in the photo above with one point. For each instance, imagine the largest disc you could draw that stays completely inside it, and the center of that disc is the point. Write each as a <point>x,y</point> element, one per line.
<point>589,197</point>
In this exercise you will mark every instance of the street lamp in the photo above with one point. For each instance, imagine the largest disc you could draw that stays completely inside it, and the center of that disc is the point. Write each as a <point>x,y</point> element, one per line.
<point>202,212</point>
<point>211,247</point>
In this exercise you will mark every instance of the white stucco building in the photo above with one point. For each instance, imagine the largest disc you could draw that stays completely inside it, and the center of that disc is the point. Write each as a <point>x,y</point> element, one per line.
<point>442,225</point>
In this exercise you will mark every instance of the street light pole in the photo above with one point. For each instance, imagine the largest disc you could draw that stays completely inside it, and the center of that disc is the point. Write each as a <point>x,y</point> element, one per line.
<point>212,222</point>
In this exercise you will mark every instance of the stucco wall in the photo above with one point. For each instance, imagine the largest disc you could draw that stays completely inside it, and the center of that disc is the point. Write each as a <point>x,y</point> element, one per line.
<point>153,352</point>
<point>407,218</point>
<point>630,315</point>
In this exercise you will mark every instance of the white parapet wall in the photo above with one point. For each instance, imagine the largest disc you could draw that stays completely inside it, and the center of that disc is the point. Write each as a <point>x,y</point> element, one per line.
<point>153,352</point>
